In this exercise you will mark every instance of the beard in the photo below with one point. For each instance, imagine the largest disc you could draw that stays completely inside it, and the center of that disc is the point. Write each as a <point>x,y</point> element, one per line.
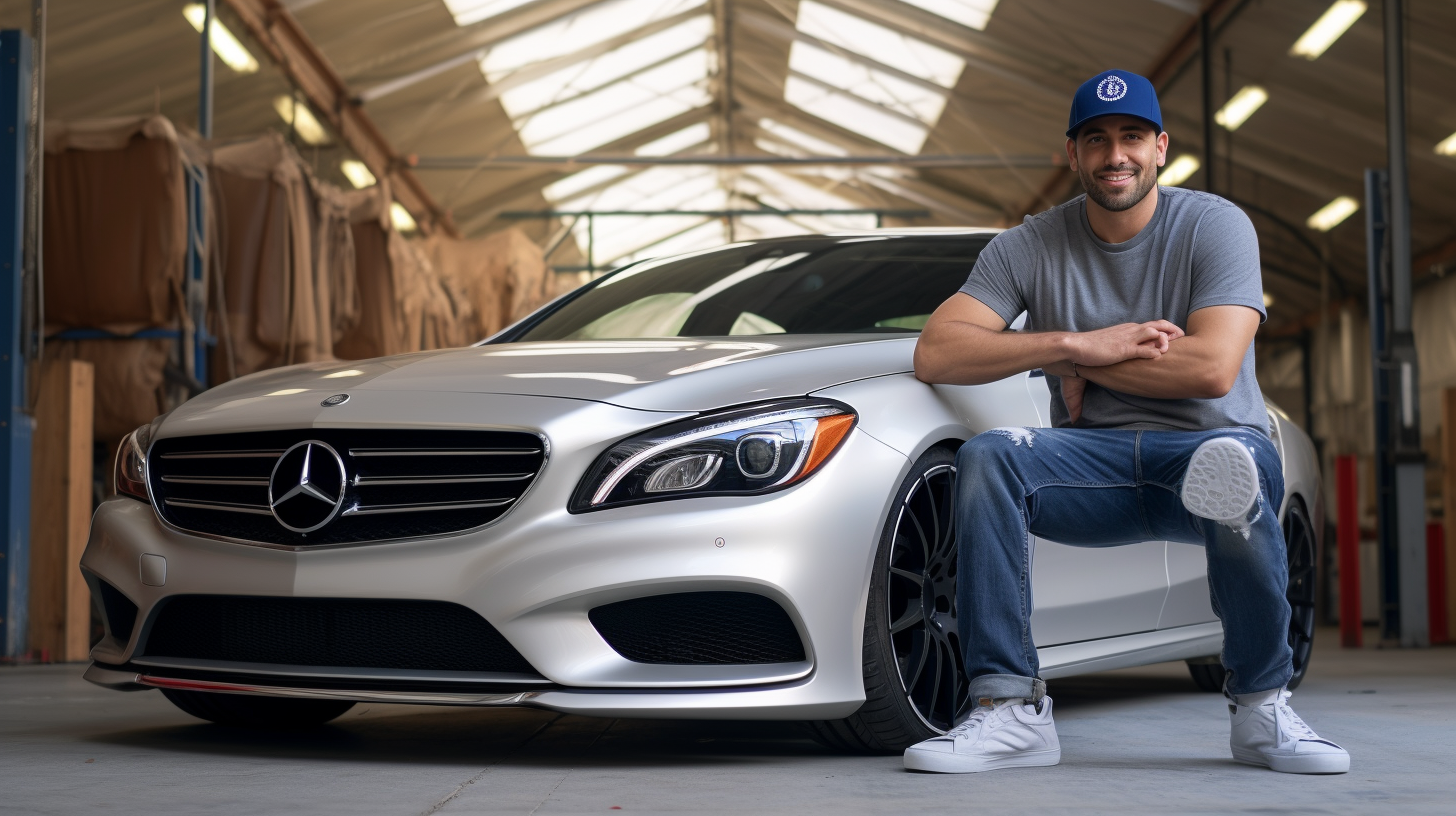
<point>1145,179</point>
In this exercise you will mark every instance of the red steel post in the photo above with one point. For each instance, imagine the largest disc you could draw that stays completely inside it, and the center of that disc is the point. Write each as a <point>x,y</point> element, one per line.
<point>1347,526</point>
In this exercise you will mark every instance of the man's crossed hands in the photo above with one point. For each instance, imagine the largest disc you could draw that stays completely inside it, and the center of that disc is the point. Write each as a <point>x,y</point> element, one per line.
<point>1109,346</point>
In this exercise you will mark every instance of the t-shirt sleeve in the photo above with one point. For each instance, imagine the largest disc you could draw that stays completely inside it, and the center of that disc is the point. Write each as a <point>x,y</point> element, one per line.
<point>1225,268</point>
<point>995,280</point>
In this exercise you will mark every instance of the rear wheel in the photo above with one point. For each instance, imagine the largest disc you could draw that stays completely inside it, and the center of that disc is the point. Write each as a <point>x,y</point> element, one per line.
<point>1300,546</point>
<point>264,713</point>
<point>914,675</point>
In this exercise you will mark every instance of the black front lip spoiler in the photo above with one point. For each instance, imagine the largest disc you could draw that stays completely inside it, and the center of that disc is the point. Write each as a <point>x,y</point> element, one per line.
<point>131,677</point>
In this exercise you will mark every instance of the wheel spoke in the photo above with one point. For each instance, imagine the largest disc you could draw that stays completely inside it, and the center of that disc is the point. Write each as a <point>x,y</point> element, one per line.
<point>917,578</point>
<point>915,614</point>
<point>934,514</point>
<point>914,678</point>
<point>924,542</point>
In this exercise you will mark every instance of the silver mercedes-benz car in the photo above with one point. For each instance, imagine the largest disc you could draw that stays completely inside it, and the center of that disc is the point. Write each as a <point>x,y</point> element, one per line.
<point>704,486</point>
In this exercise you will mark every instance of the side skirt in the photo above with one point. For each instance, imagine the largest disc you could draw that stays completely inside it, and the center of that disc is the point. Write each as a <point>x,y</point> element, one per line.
<point>1141,649</point>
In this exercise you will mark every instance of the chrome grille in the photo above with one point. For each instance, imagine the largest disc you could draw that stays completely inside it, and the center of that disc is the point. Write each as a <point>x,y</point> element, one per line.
<point>399,483</point>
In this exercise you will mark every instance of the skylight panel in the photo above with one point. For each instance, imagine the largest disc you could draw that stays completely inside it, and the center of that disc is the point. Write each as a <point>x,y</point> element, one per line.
<point>883,45</point>
<point>970,13</point>
<point>594,24</point>
<point>602,70</point>
<point>709,233</point>
<point>467,12</point>
<point>796,193</point>
<point>690,136</point>
<point>620,109</point>
<point>855,114</point>
<point>867,83</point>
<point>585,180</point>
<point>813,145</point>
<point>655,189</point>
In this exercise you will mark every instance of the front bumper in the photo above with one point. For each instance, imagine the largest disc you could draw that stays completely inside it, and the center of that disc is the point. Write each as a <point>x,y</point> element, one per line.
<point>535,575</point>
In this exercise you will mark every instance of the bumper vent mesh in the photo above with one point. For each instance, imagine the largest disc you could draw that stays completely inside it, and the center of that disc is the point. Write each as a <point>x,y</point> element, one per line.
<point>337,632</point>
<point>700,628</point>
<point>398,483</point>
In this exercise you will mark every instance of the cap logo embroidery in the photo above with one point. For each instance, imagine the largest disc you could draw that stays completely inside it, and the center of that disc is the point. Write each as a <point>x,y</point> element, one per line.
<point>1111,89</point>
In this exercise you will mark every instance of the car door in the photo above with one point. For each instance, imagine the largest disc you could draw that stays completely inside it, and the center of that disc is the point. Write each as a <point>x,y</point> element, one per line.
<point>1085,593</point>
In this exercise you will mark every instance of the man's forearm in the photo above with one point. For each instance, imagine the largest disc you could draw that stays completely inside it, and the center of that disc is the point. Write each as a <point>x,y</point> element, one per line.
<point>941,357</point>
<point>1190,369</point>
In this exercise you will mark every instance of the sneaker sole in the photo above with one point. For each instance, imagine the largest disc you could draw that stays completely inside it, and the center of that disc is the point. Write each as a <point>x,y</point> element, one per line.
<point>941,762</point>
<point>1222,481</point>
<point>1302,764</point>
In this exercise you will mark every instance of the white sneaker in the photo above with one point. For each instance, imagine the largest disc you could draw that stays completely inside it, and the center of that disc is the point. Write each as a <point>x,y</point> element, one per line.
<point>1011,734</point>
<point>1222,480</point>
<point>1267,732</point>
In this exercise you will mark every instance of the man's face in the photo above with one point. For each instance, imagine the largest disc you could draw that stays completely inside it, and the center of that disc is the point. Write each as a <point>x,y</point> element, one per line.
<point>1117,158</point>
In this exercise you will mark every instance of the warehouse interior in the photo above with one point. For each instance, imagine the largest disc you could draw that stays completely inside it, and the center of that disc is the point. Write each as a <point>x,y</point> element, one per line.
<point>200,191</point>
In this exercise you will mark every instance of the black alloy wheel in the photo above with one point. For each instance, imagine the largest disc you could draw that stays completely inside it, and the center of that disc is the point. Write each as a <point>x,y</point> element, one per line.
<point>1301,548</point>
<point>914,672</point>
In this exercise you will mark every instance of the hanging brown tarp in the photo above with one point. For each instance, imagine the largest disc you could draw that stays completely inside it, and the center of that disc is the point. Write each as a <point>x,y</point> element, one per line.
<point>115,224</point>
<point>503,276</point>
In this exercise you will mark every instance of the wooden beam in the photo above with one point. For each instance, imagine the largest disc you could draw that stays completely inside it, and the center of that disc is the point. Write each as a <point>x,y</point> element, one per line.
<point>60,511</point>
<point>286,43</point>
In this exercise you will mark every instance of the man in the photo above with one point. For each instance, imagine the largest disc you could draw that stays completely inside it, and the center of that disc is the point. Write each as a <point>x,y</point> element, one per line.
<point>1141,303</point>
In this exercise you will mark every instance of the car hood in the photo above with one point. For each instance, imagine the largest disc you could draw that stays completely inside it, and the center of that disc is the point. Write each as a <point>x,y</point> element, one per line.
<point>687,374</point>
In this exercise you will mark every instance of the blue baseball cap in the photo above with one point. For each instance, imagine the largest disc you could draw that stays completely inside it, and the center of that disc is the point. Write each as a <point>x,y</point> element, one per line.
<point>1112,92</point>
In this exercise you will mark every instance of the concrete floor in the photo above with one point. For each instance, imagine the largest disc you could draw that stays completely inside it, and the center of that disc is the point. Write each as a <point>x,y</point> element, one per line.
<point>1134,741</point>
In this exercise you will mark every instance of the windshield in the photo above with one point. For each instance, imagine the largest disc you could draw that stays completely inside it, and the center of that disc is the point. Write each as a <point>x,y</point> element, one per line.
<point>805,286</point>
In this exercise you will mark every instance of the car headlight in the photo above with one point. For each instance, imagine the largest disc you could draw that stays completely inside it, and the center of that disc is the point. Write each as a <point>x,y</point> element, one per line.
<point>742,451</point>
<point>130,471</point>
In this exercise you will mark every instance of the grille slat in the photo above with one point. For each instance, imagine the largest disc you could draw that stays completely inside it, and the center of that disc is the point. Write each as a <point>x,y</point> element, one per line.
<point>420,480</point>
<point>220,506</point>
<point>363,510</point>
<point>398,483</point>
<point>330,632</point>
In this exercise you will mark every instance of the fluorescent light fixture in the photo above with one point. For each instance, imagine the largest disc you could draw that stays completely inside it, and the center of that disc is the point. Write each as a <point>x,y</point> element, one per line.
<point>224,44</point>
<point>1268,300</point>
<point>357,173</point>
<point>1336,20</point>
<point>295,113</point>
<point>970,13</point>
<point>1447,146</point>
<point>1237,110</point>
<point>1331,214</point>
<point>1179,171</point>
<point>403,221</point>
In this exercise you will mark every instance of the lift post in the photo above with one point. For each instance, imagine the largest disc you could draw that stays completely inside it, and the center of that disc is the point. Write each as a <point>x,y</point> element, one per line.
<point>16,423</point>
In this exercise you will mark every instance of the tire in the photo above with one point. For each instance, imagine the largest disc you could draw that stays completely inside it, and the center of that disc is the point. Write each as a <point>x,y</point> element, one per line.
<point>262,713</point>
<point>914,676</point>
<point>1302,551</point>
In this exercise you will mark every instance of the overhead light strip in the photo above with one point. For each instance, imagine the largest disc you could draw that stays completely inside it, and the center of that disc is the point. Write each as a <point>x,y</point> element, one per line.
<point>1331,25</point>
<point>1330,215</point>
<point>227,47</point>
<point>1241,106</point>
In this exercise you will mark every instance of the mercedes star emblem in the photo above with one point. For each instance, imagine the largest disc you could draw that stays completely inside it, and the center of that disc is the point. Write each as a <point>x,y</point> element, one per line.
<point>337,399</point>
<point>306,489</point>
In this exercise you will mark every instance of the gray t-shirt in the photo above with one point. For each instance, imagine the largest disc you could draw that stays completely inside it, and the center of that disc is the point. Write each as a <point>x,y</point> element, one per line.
<point>1199,250</point>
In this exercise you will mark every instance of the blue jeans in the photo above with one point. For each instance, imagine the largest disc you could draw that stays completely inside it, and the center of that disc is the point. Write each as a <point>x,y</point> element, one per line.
<point>1103,488</point>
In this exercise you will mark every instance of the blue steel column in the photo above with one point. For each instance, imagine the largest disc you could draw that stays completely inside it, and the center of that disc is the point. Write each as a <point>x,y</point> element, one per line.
<point>196,346</point>
<point>16,424</point>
